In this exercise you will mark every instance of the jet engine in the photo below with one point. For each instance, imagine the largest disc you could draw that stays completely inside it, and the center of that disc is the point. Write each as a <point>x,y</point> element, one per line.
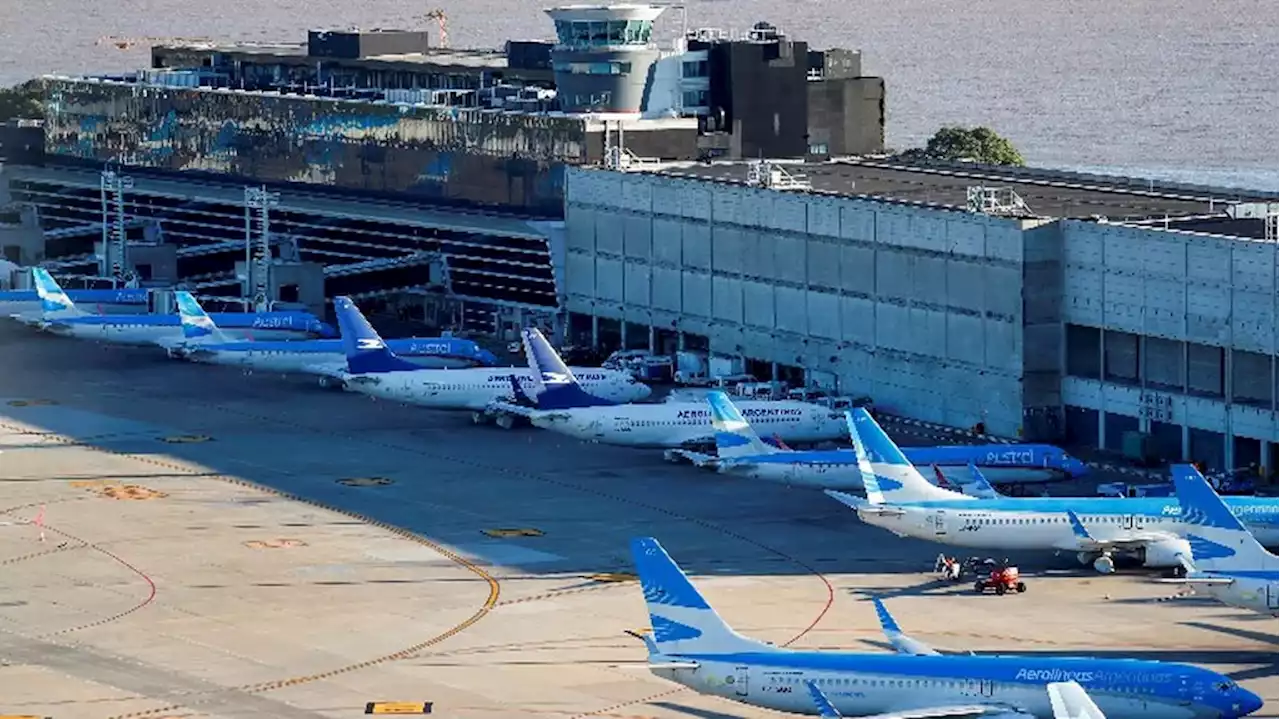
<point>1104,564</point>
<point>1164,554</point>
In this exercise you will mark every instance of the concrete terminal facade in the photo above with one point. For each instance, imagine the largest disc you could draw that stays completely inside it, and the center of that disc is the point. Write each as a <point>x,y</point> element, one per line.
<point>1035,326</point>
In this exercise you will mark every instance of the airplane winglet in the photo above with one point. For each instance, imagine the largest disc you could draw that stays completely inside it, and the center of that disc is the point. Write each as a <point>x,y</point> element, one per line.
<point>1077,527</point>
<point>821,702</point>
<point>980,482</point>
<point>887,622</point>
<point>519,395</point>
<point>900,641</point>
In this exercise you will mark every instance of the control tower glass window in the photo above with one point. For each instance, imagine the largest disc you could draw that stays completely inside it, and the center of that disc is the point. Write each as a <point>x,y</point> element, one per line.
<point>582,34</point>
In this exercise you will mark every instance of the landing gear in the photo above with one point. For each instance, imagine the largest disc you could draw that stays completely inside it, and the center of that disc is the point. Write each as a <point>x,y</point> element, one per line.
<point>479,418</point>
<point>330,383</point>
<point>505,421</point>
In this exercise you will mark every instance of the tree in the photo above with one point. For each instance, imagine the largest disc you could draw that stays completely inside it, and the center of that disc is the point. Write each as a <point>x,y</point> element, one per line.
<point>979,144</point>
<point>25,102</point>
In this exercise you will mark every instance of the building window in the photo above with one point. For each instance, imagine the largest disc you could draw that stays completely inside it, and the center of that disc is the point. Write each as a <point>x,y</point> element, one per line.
<point>695,98</point>
<point>1162,363</point>
<point>818,148</point>
<point>694,68</point>
<point>1121,357</point>
<point>1084,350</point>
<point>1204,370</point>
<point>1251,378</point>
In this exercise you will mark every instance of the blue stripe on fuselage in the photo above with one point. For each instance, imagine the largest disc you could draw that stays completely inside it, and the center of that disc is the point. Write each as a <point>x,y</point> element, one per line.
<point>411,347</point>
<point>1251,510</point>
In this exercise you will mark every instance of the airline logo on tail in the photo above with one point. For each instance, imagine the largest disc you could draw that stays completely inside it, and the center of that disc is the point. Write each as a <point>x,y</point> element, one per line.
<point>196,323</point>
<point>52,298</point>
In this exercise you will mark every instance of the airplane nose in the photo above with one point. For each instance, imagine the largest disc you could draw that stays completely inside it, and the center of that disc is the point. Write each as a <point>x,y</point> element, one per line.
<point>1249,702</point>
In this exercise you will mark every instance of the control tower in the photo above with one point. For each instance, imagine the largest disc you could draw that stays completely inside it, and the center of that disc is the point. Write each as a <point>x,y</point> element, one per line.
<point>603,56</point>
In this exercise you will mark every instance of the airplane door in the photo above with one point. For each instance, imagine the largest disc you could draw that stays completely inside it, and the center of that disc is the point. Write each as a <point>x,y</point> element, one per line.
<point>1133,521</point>
<point>940,523</point>
<point>741,680</point>
<point>1272,599</point>
<point>987,687</point>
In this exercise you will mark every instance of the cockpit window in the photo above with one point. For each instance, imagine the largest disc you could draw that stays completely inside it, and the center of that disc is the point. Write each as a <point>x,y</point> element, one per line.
<point>1224,686</point>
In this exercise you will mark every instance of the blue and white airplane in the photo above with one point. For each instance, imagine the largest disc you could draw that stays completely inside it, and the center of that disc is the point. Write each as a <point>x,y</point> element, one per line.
<point>740,452</point>
<point>204,342</point>
<point>26,303</point>
<point>901,500</point>
<point>61,316</point>
<point>1002,464</point>
<point>691,645</point>
<point>374,370</point>
<point>566,407</point>
<point>1225,559</point>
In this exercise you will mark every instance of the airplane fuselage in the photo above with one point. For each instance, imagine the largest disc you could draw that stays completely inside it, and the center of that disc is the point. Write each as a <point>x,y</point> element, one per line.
<point>895,683</point>
<point>1042,523</point>
<point>682,424</point>
<point>123,332</point>
<point>1255,591</point>
<point>475,389</point>
<point>324,356</point>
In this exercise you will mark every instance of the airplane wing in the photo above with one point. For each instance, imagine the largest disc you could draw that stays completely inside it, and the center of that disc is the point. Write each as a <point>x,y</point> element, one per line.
<point>992,711</point>
<point>903,643</point>
<point>1082,540</point>
<point>1070,701</point>
<point>821,702</point>
<point>860,504</point>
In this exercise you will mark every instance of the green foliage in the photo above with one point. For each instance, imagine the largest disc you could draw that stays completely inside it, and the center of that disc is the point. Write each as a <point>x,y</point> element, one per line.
<point>25,101</point>
<point>979,144</point>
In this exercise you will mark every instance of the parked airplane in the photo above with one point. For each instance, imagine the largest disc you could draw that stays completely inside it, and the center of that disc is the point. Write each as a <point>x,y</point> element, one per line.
<point>900,500</point>
<point>564,406</point>
<point>373,369</point>
<point>743,453</point>
<point>1003,464</point>
<point>204,342</point>
<point>26,303</point>
<point>61,316</point>
<point>691,645</point>
<point>1225,558</point>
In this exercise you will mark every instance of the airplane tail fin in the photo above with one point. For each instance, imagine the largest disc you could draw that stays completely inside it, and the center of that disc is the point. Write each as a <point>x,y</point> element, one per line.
<point>734,436</point>
<point>682,621</point>
<point>1219,541</point>
<point>519,395</point>
<point>197,325</point>
<point>978,484</point>
<point>557,387</point>
<point>1070,701</point>
<point>53,301</point>
<point>366,352</point>
<point>893,478</point>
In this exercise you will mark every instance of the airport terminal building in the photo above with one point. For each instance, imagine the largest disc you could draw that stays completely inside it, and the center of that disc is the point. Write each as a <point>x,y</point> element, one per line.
<point>960,304</point>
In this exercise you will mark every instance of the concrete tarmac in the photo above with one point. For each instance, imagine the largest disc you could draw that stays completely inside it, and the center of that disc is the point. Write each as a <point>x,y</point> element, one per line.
<point>225,545</point>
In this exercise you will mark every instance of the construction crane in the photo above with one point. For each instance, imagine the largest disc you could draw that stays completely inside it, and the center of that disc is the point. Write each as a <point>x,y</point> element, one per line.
<point>128,43</point>
<point>442,23</point>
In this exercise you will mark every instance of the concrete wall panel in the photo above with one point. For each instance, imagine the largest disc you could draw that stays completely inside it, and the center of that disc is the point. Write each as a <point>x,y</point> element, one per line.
<point>757,254</point>
<point>1208,314</point>
<point>758,303</point>
<point>1122,301</point>
<point>696,294</point>
<point>1254,422</point>
<point>609,279</point>
<point>930,230</point>
<point>1082,296</point>
<point>966,237</point>
<point>1081,244</point>
<point>757,342</point>
<point>791,310</point>
<point>857,221</point>
<point>1253,265</point>
<point>636,194</point>
<point>788,257</point>
<point>930,280</point>
<point>823,264</point>
<point>1253,321</point>
<point>726,299</point>
<point>1208,260</point>
<point>580,274</point>
<point>666,289</point>
<point>593,188</point>
<point>965,285</point>
<point>610,231</point>
<point>788,213</point>
<point>824,217</point>
<point>893,228</point>
<point>666,241</point>
<point>824,314</point>
<point>858,320</point>
<point>1004,350</point>
<point>726,339</point>
<point>1164,256</point>
<point>580,228</point>
<point>933,340</point>
<point>726,207</point>
<point>1123,249</point>
<point>727,249</point>
<point>965,338</point>
<point>666,198</point>
<point>1004,240</point>
<point>1165,304</point>
<point>695,200</point>
<point>893,326</point>
<point>893,275</point>
<point>1004,291</point>
<point>858,269</point>
<point>637,287</point>
<point>638,242</point>
<point>696,237</point>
